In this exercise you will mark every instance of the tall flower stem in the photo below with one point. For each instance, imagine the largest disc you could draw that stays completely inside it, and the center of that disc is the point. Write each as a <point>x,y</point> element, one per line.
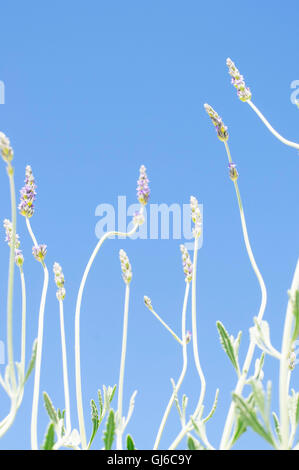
<point>122,368</point>
<point>183,373</point>
<point>77,330</point>
<point>10,172</point>
<point>34,441</point>
<point>65,374</point>
<point>242,379</point>
<point>199,405</point>
<point>284,371</point>
<point>23,334</point>
<point>271,129</point>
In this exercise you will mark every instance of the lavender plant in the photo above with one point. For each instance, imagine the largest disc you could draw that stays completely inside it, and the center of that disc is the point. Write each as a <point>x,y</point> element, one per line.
<point>251,411</point>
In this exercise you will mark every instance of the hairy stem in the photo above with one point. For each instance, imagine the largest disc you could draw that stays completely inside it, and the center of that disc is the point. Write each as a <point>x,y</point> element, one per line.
<point>65,373</point>
<point>182,375</point>
<point>122,368</point>
<point>199,405</point>
<point>77,330</point>
<point>284,371</point>
<point>242,379</point>
<point>273,131</point>
<point>40,333</point>
<point>10,172</point>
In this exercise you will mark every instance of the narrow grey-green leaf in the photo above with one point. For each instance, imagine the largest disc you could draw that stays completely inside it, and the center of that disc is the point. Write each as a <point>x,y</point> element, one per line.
<point>49,439</point>
<point>95,421</point>
<point>110,431</point>
<point>32,361</point>
<point>50,408</point>
<point>259,396</point>
<point>100,402</point>
<point>213,407</point>
<point>130,443</point>
<point>250,419</point>
<point>276,425</point>
<point>191,444</point>
<point>296,315</point>
<point>227,345</point>
<point>112,394</point>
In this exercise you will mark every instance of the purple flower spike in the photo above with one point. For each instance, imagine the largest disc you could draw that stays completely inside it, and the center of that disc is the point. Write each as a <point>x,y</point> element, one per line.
<point>237,80</point>
<point>28,193</point>
<point>218,123</point>
<point>143,191</point>
<point>39,252</point>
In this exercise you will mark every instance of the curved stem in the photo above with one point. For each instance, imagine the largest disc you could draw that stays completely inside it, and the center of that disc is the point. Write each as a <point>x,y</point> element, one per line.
<point>249,356</point>
<point>77,330</point>
<point>122,369</point>
<point>34,444</point>
<point>284,363</point>
<point>182,375</point>
<point>65,374</point>
<point>23,334</point>
<point>31,232</point>
<point>9,419</point>
<point>199,405</point>
<point>10,172</point>
<point>273,131</point>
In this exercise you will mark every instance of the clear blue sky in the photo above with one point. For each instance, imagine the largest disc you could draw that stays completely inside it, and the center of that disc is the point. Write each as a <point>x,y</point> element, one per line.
<point>93,90</point>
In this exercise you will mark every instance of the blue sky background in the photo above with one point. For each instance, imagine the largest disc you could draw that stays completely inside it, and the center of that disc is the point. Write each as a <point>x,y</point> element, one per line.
<point>93,90</point>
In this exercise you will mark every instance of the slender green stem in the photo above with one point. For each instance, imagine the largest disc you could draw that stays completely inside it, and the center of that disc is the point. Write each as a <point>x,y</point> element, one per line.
<point>34,442</point>
<point>166,326</point>
<point>273,131</point>
<point>23,334</point>
<point>199,405</point>
<point>77,330</point>
<point>31,232</point>
<point>9,419</point>
<point>242,379</point>
<point>10,172</point>
<point>122,369</point>
<point>65,373</point>
<point>40,333</point>
<point>183,373</point>
<point>284,371</point>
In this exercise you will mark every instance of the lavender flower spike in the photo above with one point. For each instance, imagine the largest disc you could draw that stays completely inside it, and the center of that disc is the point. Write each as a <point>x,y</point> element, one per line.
<point>196,217</point>
<point>243,92</point>
<point>39,252</point>
<point>125,267</point>
<point>59,281</point>
<point>217,121</point>
<point>143,191</point>
<point>5,148</point>
<point>28,193</point>
<point>8,231</point>
<point>19,258</point>
<point>187,264</point>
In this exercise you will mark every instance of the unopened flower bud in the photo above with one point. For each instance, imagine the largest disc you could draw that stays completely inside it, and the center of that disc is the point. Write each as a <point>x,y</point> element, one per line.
<point>148,302</point>
<point>233,173</point>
